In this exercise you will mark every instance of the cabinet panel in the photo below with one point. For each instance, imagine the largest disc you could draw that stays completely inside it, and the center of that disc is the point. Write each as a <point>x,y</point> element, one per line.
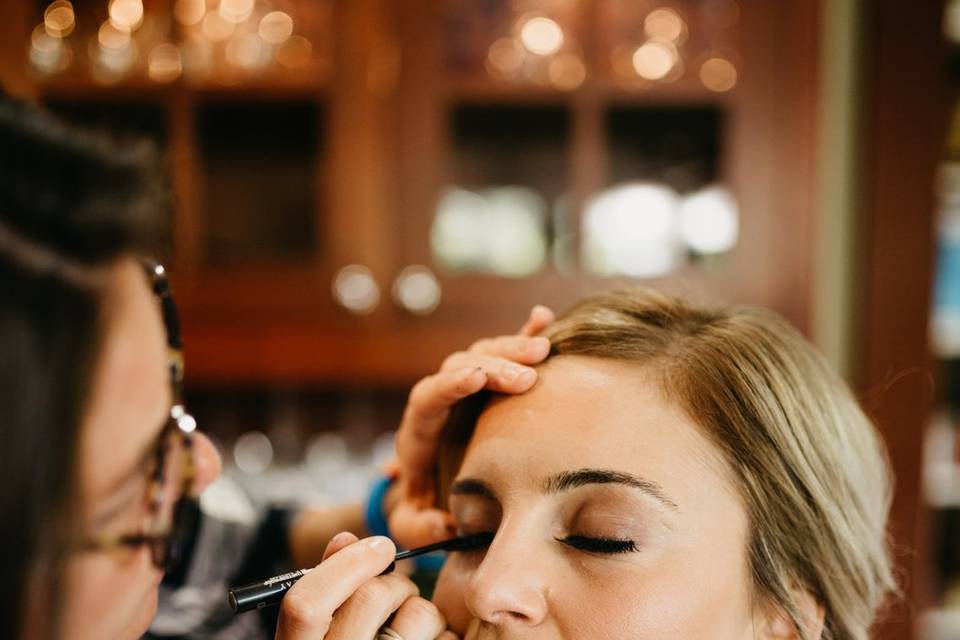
<point>259,192</point>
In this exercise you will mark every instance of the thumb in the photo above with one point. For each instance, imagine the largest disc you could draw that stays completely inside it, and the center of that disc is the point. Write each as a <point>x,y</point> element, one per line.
<point>339,541</point>
<point>414,526</point>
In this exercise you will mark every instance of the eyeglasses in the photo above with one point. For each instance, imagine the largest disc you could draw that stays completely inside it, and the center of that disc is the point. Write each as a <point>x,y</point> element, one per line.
<point>171,512</point>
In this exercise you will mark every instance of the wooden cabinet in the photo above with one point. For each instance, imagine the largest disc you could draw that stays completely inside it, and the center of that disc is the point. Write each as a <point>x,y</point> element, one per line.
<point>282,182</point>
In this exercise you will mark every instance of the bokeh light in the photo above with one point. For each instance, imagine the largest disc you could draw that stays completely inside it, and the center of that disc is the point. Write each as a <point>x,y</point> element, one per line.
<point>632,230</point>
<point>654,60</point>
<point>567,71</point>
<point>236,11</point>
<point>112,38</point>
<point>126,15</point>
<point>189,12</point>
<point>59,19</point>
<point>355,288</point>
<point>665,25</point>
<point>541,36</point>
<point>718,74</point>
<point>164,64</point>
<point>505,58</point>
<point>295,53</point>
<point>708,221</point>
<point>246,51</point>
<point>275,27</point>
<point>253,453</point>
<point>215,27</point>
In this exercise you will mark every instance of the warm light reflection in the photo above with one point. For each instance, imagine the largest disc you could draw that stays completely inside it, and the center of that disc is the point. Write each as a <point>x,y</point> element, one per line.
<point>541,36</point>
<point>48,55</point>
<point>499,230</point>
<point>665,25</point>
<point>246,51</point>
<point>109,64</point>
<point>708,221</point>
<point>295,53</point>
<point>567,71</point>
<point>355,288</point>
<point>253,453</point>
<point>59,20</point>
<point>112,38</point>
<point>275,27</point>
<point>189,12</point>
<point>42,41</point>
<point>236,11</point>
<point>718,74</point>
<point>164,63</point>
<point>505,57</point>
<point>417,290</point>
<point>215,27</point>
<point>126,15</point>
<point>632,230</point>
<point>654,60</point>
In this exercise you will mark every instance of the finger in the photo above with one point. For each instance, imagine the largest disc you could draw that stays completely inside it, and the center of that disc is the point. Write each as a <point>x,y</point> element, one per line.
<point>540,318</point>
<point>426,412</point>
<point>434,395</point>
<point>370,607</point>
<point>418,619</point>
<point>414,525</point>
<point>337,542</point>
<point>503,375</point>
<point>522,349</point>
<point>448,635</point>
<point>307,609</point>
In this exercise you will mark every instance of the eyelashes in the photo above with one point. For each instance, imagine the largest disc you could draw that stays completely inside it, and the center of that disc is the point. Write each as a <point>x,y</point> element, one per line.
<point>608,546</point>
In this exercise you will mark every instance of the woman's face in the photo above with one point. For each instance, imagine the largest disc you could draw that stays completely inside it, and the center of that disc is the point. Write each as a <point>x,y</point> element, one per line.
<point>614,517</point>
<point>113,594</point>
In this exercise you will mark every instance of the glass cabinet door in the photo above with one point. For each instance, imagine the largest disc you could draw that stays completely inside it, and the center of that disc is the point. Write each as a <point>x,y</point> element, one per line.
<point>536,167</point>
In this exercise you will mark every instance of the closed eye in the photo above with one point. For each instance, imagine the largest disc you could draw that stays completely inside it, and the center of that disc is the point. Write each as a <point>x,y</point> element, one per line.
<point>608,546</point>
<point>480,540</point>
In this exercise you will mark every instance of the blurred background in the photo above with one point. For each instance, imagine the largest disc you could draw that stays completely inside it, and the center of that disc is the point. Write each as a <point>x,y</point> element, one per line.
<point>362,187</point>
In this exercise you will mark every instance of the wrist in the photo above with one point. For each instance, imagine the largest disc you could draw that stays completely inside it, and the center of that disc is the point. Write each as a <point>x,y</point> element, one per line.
<point>380,501</point>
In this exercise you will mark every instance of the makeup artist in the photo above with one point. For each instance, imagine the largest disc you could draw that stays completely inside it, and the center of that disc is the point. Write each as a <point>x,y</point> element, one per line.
<point>101,463</point>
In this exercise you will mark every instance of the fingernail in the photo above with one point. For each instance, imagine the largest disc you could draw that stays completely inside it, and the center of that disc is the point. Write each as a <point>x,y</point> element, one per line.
<point>526,377</point>
<point>512,371</point>
<point>340,538</point>
<point>380,544</point>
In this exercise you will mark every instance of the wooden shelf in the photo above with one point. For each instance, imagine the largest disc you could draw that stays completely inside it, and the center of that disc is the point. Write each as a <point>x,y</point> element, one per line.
<point>267,89</point>
<point>488,90</point>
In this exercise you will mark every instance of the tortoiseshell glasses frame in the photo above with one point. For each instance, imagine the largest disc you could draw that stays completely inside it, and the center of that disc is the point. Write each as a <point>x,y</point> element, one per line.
<point>169,521</point>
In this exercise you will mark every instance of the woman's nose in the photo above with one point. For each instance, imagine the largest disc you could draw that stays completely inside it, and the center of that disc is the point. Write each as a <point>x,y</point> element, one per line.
<point>509,587</point>
<point>206,462</point>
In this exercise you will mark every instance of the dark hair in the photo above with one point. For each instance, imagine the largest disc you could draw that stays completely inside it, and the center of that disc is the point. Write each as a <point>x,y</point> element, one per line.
<point>71,204</point>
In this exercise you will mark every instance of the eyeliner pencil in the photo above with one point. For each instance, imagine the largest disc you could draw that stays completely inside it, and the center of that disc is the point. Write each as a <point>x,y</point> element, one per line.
<point>270,592</point>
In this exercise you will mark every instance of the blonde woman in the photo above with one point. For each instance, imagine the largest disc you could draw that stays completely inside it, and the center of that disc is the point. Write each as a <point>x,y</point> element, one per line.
<point>676,473</point>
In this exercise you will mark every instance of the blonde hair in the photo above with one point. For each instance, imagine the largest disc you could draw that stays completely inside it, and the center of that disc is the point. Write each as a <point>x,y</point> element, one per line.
<point>809,465</point>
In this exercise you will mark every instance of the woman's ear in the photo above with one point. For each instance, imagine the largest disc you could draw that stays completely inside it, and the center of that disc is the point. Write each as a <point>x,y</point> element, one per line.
<point>775,624</point>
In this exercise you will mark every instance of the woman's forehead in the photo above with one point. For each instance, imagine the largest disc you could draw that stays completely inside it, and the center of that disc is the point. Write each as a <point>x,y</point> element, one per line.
<point>593,413</point>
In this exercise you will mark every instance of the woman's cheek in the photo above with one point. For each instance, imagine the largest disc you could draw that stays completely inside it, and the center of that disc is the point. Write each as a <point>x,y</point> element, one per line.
<point>448,595</point>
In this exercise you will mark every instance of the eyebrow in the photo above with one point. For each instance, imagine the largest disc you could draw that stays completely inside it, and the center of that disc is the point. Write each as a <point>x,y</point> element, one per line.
<point>569,480</point>
<point>572,479</point>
